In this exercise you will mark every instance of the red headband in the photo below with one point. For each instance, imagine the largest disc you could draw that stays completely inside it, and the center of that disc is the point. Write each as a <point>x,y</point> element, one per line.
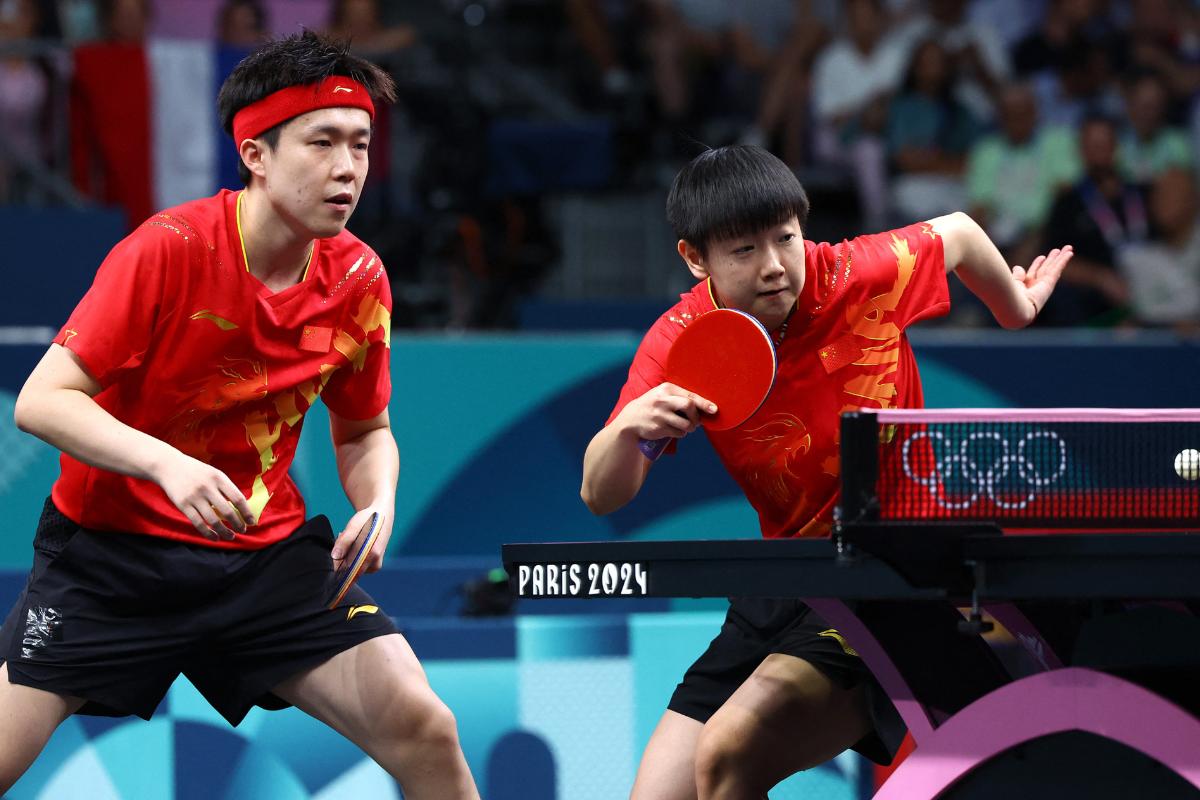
<point>335,92</point>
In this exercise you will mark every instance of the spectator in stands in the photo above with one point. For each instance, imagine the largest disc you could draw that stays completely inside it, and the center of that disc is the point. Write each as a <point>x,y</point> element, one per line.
<point>1063,26</point>
<point>242,24</point>
<point>675,55</point>
<point>24,88</point>
<point>124,21</point>
<point>110,112</point>
<point>979,63</point>
<point>853,79</point>
<point>1081,83</point>
<point>1164,272</point>
<point>1150,144</point>
<point>607,35</point>
<point>1014,174</point>
<point>1100,215</point>
<point>689,49</point>
<point>1164,38</point>
<point>928,135</point>
<point>783,121</point>
<point>1011,20</point>
<point>241,27</point>
<point>361,22</point>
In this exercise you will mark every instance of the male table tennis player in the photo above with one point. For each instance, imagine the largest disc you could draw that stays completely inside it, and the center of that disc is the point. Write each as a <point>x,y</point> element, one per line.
<point>174,540</point>
<point>778,691</point>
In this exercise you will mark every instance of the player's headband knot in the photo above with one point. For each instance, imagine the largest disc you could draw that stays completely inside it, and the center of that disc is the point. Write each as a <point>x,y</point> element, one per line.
<point>335,92</point>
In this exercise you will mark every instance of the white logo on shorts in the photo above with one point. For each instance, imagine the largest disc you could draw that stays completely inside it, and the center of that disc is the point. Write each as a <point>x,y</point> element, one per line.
<point>41,626</point>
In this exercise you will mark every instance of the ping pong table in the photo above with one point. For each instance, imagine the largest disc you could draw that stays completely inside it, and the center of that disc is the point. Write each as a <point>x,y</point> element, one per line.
<point>1071,529</point>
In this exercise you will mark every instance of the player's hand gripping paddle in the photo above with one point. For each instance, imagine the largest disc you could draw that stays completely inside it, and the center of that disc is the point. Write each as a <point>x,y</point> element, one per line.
<point>725,356</point>
<point>351,566</point>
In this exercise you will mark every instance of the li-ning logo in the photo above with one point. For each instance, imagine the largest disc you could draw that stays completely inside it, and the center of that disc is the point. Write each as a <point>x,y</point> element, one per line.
<point>356,610</point>
<point>337,89</point>
<point>984,463</point>
<point>42,625</point>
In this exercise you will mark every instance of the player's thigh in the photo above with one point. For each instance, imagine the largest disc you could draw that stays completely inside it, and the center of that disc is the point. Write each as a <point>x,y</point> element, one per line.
<point>367,691</point>
<point>787,716</point>
<point>28,717</point>
<point>668,767</point>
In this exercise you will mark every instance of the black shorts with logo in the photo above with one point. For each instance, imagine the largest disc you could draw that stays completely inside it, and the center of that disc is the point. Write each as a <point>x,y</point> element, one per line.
<point>114,618</point>
<point>755,628</point>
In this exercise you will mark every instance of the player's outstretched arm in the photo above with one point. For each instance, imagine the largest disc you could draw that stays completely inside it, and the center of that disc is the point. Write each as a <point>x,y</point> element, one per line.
<point>614,467</point>
<point>369,466</point>
<point>56,405</point>
<point>1014,295</point>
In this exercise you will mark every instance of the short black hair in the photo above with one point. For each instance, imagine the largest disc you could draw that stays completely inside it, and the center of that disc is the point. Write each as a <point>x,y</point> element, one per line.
<point>298,60</point>
<point>733,191</point>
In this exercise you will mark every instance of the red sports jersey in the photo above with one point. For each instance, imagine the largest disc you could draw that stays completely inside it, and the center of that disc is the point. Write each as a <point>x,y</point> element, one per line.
<point>192,349</point>
<point>844,349</point>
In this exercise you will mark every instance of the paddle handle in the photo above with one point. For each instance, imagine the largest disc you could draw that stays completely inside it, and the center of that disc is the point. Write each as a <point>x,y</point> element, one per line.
<point>653,448</point>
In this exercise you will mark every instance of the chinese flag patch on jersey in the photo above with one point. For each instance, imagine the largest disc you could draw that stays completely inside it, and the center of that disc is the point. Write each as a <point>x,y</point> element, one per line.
<point>316,338</point>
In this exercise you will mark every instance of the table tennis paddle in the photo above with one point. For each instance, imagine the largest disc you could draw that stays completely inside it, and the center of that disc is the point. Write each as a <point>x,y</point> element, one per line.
<point>725,356</point>
<point>348,572</point>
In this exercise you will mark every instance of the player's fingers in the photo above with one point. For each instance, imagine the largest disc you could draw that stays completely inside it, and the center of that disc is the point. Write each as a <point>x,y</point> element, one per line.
<point>238,500</point>
<point>1064,257</point>
<point>1034,268</point>
<point>228,511</point>
<point>198,523</point>
<point>1053,269</point>
<point>223,514</point>
<point>374,561</point>
<point>681,406</point>
<point>345,539</point>
<point>673,390</point>
<point>212,518</point>
<point>1019,273</point>
<point>677,424</point>
<point>705,405</point>
<point>691,409</point>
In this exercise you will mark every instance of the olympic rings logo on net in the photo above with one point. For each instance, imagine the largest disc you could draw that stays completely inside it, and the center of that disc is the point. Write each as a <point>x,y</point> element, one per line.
<point>986,463</point>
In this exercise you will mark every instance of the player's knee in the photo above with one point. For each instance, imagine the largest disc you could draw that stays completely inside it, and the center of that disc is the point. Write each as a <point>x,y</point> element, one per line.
<point>429,723</point>
<point>718,758</point>
<point>441,728</point>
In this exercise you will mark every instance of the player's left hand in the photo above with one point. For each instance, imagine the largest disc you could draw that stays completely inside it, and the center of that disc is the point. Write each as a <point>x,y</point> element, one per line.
<point>1037,281</point>
<point>343,545</point>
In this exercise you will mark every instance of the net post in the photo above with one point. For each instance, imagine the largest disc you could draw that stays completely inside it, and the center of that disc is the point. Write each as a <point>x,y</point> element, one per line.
<point>860,468</point>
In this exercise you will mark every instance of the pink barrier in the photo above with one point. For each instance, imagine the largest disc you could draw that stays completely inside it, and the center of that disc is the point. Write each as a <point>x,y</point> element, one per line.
<point>1040,705</point>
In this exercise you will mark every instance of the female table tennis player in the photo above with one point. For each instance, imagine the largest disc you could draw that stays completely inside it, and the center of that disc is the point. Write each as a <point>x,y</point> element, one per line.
<point>778,690</point>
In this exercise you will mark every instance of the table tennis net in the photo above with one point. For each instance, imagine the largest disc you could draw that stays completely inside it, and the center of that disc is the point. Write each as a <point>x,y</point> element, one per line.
<point>1048,468</point>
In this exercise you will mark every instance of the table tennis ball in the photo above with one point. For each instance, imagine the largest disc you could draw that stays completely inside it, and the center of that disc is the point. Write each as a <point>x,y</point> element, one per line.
<point>1187,464</point>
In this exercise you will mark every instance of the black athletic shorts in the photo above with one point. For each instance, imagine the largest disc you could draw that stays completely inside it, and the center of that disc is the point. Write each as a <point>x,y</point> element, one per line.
<point>754,629</point>
<point>114,618</point>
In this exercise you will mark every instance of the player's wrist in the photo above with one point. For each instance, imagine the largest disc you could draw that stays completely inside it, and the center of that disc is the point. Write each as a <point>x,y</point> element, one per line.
<point>161,462</point>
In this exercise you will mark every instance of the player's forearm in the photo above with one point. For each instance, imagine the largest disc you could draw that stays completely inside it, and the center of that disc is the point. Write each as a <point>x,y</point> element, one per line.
<point>613,469</point>
<point>73,422</point>
<point>369,466</point>
<point>971,254</point>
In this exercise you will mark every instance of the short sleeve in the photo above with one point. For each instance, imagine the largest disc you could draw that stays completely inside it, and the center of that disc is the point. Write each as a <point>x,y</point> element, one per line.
<point>649,363</point>
<point>902,273</point>
<point>361,389</point>
<point>114,324</point>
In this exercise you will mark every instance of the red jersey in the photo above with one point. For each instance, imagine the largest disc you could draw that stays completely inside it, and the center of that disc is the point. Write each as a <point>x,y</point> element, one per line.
<point>844,348</point>
<point>192,349</point>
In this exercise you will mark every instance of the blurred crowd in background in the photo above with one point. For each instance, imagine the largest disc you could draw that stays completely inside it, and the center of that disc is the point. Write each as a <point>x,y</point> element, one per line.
<point>527,161</point>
